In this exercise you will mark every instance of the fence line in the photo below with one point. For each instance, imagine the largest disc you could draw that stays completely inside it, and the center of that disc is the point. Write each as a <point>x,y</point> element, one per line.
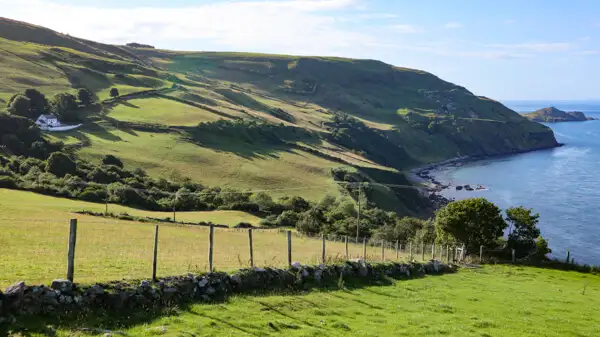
<point>101,250</point>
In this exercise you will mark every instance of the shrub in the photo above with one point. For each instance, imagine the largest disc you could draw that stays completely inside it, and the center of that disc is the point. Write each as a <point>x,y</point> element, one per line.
<point>7,182</point>
<point>114,92</point>
<point>84,96</point>
<point>287,219</point>
<point>20,106</point>
<point>60,165</point>
<point>310,221</point>
<point>39,103</point>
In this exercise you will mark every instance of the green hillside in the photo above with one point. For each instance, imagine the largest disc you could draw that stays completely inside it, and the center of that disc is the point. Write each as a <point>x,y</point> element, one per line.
<point>362,115</point>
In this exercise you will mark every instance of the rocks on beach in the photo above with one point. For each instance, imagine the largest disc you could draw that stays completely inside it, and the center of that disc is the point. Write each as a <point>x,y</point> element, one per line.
<point>435,186</point>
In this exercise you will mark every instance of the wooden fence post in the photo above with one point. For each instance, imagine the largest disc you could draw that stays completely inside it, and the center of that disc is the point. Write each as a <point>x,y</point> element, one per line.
<point>463,253</point>
<point>211,242</point>
<point>410,250</point>
<point>480,253</point>
<point>433,251</point>
<point>568,256</point>
<point>251,248</point>
<point>441,252</point>
<point>289,244</point>
<point>323,251</point>
<point>423,251</point>
<point>513,256</point>
<point>155,255</point>
<point>71,252</point>
<point>397,250</point>
<point>346,242</point>
<point>448,254</point>
<point>365,248</point>
<point>382,250</point>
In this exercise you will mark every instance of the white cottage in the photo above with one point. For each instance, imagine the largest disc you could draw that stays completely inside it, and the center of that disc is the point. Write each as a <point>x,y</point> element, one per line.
<point>48,120</point>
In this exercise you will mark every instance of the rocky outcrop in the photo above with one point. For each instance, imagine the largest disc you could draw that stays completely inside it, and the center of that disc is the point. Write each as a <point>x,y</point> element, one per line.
<point>554,115</point>
<point>66,298</point>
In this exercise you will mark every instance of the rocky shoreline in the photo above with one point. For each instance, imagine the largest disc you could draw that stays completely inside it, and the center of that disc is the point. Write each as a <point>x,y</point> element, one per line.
<point>432,187</point>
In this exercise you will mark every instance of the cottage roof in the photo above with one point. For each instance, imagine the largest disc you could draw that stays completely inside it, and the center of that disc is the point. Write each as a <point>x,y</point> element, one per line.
<point>48,116</point>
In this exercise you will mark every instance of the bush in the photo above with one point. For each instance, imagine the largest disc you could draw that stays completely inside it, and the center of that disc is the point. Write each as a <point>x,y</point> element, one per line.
<point>20,106</point>
<point>310,221</point>
<point>60,165</point>
<point>287,219</point>
<point>84,96</point>
<point>7,182</point>
<point>114,92</point>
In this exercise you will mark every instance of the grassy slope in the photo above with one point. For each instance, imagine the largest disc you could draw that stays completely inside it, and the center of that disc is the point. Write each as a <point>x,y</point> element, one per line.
<point>300,91</point>
<point>493,301</point>
<point>35,231</point>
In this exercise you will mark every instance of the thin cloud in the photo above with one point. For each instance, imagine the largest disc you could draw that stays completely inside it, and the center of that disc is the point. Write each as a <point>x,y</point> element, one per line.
<point>453,25</point>
<point>509,22</point>
<point>404,28</point>
<point>289,26</point>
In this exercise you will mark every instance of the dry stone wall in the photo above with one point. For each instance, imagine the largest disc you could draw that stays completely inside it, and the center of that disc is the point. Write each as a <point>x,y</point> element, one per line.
<point>63,297</point>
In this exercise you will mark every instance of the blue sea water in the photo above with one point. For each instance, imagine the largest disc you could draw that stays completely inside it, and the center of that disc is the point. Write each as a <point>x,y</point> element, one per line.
<point>562,184</point>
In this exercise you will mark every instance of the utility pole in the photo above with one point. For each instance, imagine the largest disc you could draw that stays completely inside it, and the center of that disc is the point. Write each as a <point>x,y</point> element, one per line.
<point>358,215</point>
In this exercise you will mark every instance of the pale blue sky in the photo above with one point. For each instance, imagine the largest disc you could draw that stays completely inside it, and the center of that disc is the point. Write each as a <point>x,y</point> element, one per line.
<point>522,49</point>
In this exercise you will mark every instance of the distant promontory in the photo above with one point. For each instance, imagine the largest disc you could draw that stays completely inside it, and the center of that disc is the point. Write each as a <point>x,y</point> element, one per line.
<point>554,115</point>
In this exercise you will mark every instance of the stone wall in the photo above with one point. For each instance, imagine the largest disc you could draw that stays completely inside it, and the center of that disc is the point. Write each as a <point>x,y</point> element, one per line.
<point>63,297</point>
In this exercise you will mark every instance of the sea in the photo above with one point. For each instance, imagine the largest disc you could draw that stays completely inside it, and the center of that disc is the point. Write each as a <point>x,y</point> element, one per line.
<point>561,184</point>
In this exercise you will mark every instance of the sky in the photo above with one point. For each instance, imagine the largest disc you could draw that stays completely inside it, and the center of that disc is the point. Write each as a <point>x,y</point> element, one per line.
<point>510,49</point>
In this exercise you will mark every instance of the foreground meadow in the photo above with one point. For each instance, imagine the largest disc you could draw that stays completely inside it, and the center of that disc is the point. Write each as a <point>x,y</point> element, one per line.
<point>488,301</point>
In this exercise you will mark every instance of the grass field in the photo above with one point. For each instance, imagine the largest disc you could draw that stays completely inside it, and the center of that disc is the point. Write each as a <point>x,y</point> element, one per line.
<point>240,167</point>
<point>161,111</point>
<point>34,231</point>
<point>490,301</point>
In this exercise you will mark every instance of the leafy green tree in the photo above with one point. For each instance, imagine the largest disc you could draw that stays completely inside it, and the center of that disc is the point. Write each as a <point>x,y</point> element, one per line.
<point>473,222</point>
<point>60,165</point>
<point>402,230</point>
<point>84,96</point>
<point>20,106</point>
<point>39,103</point>
<point>287,219</point>
<point>523,230</point>
<point>426,233</point>
<point>109,159</point>
<point>114,92</point>
<point>263,200</point>
<point>310,221</point>
<point>64,106</point>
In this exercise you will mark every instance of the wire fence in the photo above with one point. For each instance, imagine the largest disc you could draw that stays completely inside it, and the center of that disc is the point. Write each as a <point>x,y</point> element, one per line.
<point>96,251</point>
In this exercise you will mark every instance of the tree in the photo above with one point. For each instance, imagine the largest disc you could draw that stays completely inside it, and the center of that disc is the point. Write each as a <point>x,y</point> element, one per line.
<point>39,103</point>
<point>20,106</point>
<point>310,221</point>
<point>473,222</point>
<point>523,230</point>
<point>109,159</point>
<point>64,106</point>
<point>263,200</point>
<point>60,164</point>
<point>84,96</point>
<point>114,92</point>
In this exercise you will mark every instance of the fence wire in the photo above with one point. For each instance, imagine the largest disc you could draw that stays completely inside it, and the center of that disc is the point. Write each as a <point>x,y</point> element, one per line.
<point>36,251</point>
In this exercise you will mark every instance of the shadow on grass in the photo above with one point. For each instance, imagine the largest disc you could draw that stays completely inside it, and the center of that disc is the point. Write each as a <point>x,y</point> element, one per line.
<point>103,320</point>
